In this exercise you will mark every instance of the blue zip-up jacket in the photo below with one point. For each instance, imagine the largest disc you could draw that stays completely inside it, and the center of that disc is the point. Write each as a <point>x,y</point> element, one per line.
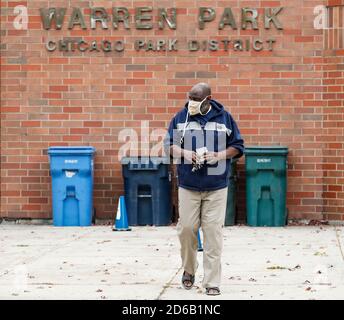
<point>217,131</point>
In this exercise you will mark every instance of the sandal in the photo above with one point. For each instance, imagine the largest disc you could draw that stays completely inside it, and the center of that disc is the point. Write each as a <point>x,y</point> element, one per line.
<point>214,291</point>
<point>187,278</point>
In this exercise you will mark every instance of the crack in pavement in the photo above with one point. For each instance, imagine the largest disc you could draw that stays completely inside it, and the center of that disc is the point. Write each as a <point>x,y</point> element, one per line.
<point>167,285</point>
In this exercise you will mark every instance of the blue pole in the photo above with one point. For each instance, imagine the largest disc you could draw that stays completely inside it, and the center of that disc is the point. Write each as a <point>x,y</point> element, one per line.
<point>199,241</point>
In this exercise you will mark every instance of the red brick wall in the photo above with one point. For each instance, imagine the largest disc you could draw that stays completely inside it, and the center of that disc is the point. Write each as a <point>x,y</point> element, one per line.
<point>333,119</point>
<point>291,96</point>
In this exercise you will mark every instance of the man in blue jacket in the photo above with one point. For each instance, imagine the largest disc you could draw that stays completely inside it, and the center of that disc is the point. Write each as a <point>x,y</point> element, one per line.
<point>202,139</point>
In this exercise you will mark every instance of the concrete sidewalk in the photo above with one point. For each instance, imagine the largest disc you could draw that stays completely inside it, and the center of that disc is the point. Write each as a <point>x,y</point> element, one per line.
<point>43,262</point>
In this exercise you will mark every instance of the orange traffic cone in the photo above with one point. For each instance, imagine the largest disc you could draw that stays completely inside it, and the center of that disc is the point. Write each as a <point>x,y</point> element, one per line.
<point>121,222</point>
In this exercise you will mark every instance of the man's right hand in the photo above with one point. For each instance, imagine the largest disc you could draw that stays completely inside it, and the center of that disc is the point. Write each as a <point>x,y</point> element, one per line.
<point>189,156</point>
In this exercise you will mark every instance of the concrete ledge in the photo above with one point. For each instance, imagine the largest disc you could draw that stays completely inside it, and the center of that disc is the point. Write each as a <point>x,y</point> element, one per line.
<point>9,221</point>
<point>109,222</point>
<point>104,222</point>
<point>307,222</point>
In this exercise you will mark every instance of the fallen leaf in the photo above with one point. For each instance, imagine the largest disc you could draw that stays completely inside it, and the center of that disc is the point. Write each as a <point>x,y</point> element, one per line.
<point>276,268</point>
<point>295,268</point>
<point>322,254</point>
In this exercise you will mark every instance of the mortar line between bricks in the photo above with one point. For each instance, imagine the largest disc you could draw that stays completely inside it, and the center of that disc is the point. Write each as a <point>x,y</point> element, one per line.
<point>168,284</point>
<point>339,243</point>
<point>6,272</point>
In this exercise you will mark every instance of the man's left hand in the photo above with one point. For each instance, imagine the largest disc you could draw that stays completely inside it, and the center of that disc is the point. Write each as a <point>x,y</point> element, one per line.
<point>214,157</point>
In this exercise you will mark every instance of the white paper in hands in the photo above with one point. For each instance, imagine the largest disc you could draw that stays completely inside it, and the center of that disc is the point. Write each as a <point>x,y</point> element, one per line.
<point>200,158</point>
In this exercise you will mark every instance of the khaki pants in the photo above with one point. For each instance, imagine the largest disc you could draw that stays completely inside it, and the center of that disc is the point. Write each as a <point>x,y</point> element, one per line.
<point>206,209</point>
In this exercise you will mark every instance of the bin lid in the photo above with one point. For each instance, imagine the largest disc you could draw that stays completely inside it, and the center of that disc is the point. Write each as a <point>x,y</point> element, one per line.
<point>144,163</point>
<point>65,150</point>
<point>262,150</point>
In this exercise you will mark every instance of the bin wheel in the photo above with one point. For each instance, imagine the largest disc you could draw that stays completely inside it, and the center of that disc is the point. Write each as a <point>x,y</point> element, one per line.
<point>94,216</point>
<point>286,217</point>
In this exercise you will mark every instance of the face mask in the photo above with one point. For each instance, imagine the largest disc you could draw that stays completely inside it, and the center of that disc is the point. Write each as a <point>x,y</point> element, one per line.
<point>194,107</point>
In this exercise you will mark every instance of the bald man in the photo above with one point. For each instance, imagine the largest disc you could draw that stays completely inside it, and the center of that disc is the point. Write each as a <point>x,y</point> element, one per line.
<point>202,138</point>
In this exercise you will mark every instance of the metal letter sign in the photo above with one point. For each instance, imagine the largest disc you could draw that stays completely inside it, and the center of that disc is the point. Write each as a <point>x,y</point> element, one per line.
<point>147,18</point>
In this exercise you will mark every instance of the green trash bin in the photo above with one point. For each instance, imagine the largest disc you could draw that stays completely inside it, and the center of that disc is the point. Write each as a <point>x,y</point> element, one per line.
<point>266,185</point>
<point>231,195</point>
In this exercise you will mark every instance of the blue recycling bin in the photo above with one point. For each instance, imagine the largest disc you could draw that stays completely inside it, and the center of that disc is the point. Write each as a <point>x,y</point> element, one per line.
<point>71,171</point>
<point>147,184</point>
